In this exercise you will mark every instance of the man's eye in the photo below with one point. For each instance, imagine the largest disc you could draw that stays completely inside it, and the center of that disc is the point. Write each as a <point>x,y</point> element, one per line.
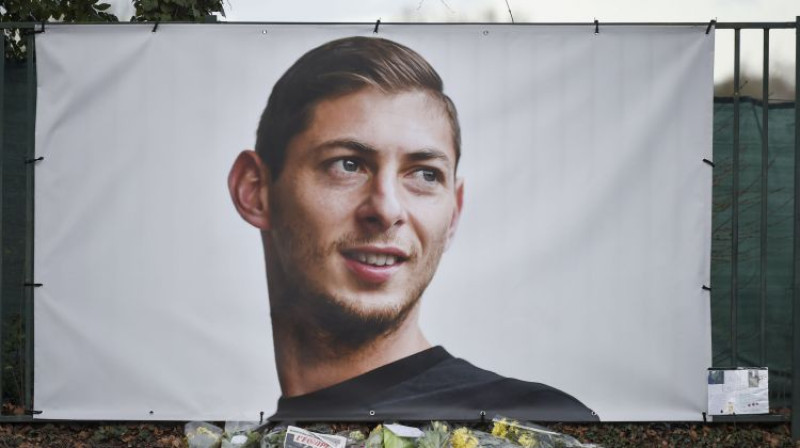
<point>428,175</point>
<point>349,165</point>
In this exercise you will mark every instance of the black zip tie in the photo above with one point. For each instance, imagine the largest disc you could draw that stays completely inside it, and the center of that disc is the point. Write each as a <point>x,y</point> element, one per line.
<point>704,418</point>
<point>261,418</point>
<point>377,25</point>
<point>33,31</point>
<point>29,161</point>
<point>32,412</point>
<point>35,285</point>
<point>155,27</point>
<point>709,162</point>
<point>706,288</point>
<point>596,26</point>
<point>710,24</point>
<point>509,11</point>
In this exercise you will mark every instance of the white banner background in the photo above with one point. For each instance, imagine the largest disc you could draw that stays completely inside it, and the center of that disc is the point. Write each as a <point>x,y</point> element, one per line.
<point>579,261</point>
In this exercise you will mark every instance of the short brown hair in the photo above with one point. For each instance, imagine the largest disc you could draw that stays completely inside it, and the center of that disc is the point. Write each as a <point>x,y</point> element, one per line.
<point>337,68</point>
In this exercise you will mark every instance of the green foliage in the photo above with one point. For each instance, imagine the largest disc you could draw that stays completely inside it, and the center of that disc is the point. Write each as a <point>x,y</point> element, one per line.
<point>176,10</point>
<point>74,11</point>
<point>86,11</point>
<point>13,360</point>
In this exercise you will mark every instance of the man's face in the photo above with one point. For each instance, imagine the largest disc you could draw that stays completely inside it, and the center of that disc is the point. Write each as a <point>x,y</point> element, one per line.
<point>365,204</point>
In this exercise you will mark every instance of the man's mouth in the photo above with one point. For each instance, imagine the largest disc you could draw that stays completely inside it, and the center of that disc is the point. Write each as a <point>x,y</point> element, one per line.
<point>374,259</point>
<point>374,265</point>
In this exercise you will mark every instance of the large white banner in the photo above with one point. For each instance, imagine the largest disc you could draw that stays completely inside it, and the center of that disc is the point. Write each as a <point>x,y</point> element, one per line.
<point>579,260</point>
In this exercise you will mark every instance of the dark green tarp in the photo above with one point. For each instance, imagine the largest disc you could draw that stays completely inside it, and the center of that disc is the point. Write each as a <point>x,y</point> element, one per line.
<point>778,300</point>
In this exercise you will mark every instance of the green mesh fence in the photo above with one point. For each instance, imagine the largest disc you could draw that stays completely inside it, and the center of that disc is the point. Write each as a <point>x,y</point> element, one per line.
<point>777,330</point>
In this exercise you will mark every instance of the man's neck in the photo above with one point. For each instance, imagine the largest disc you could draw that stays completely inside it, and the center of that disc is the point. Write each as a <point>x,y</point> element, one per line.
<point>301,374</point>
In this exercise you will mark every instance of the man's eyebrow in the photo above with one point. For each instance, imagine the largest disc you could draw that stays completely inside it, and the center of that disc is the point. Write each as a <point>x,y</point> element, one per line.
<point>351,144</point>
<point>428,154</point>
<point>420,155</point>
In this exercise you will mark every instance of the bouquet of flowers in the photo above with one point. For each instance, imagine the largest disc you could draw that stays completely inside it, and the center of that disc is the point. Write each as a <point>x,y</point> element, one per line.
<point>530,435</point>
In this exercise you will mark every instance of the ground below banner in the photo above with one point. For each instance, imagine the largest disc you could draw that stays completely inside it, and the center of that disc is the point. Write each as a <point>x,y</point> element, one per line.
<point>618,435</point>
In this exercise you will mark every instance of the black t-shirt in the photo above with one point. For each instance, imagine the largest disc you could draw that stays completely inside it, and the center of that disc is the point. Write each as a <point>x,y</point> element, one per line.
<point>433,385</point>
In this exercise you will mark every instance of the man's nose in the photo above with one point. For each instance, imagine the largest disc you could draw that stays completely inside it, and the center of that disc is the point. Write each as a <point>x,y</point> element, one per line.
<point>382,208</point>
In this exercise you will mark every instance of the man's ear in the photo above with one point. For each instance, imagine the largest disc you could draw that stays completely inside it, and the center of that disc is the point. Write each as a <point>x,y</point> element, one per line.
<point>451,232</point>
<point>248,183</point>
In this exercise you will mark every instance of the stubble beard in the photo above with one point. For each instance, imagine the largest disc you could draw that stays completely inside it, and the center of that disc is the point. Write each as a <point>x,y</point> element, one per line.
<point>322,323</point>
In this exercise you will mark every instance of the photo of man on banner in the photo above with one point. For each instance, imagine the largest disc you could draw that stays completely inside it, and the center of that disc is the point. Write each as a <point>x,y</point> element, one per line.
<point>523,230</point>
<point>354,187</point>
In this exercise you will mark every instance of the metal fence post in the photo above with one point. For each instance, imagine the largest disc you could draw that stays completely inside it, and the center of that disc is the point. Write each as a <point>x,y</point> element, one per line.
<point>28,296</point>
<point>735,204</point>
<point>2,193</point>
<point>796,270</point>
<point>764,196</point>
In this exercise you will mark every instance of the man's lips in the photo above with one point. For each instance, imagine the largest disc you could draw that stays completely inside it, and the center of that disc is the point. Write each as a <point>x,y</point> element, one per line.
<point>374,264</point>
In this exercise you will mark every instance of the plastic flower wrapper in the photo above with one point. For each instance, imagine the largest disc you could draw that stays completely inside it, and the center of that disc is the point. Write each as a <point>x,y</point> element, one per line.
<point>530,435</point>
<point>274,438</point>
<point>400,436</point>
<point>202,435</point>
<point>240,435</point>
<point>355,438</point>
<point>486,440</point>
<point>319,428</point>
<point>375,438</point>
<point>435,436</point>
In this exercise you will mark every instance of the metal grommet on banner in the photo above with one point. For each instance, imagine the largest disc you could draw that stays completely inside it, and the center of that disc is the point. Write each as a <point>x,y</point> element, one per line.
<point>371,413</point>
<point>264,31</point>
<point>151,412</point>
<point>377,25</point>
<point>708,162</point>
<point>485,32</point>
<point>711,24</point>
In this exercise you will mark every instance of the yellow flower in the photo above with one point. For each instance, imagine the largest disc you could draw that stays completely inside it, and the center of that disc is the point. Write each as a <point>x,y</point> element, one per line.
<point>462,438</point>
<point>500,428</point>
<point>527,441</point>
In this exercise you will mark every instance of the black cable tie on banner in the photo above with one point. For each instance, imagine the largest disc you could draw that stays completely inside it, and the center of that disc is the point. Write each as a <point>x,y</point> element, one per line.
<point>29,161</point>
<point>596,26</point>
<point>35,285</point>
<point>377,25</point>
<point>704,418</point>
<point>711,24</point>
<point>32,412</point>
<point>34,30</point>
<point>709,162</point>
<point>155,27</point>
<point>706,288</point>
